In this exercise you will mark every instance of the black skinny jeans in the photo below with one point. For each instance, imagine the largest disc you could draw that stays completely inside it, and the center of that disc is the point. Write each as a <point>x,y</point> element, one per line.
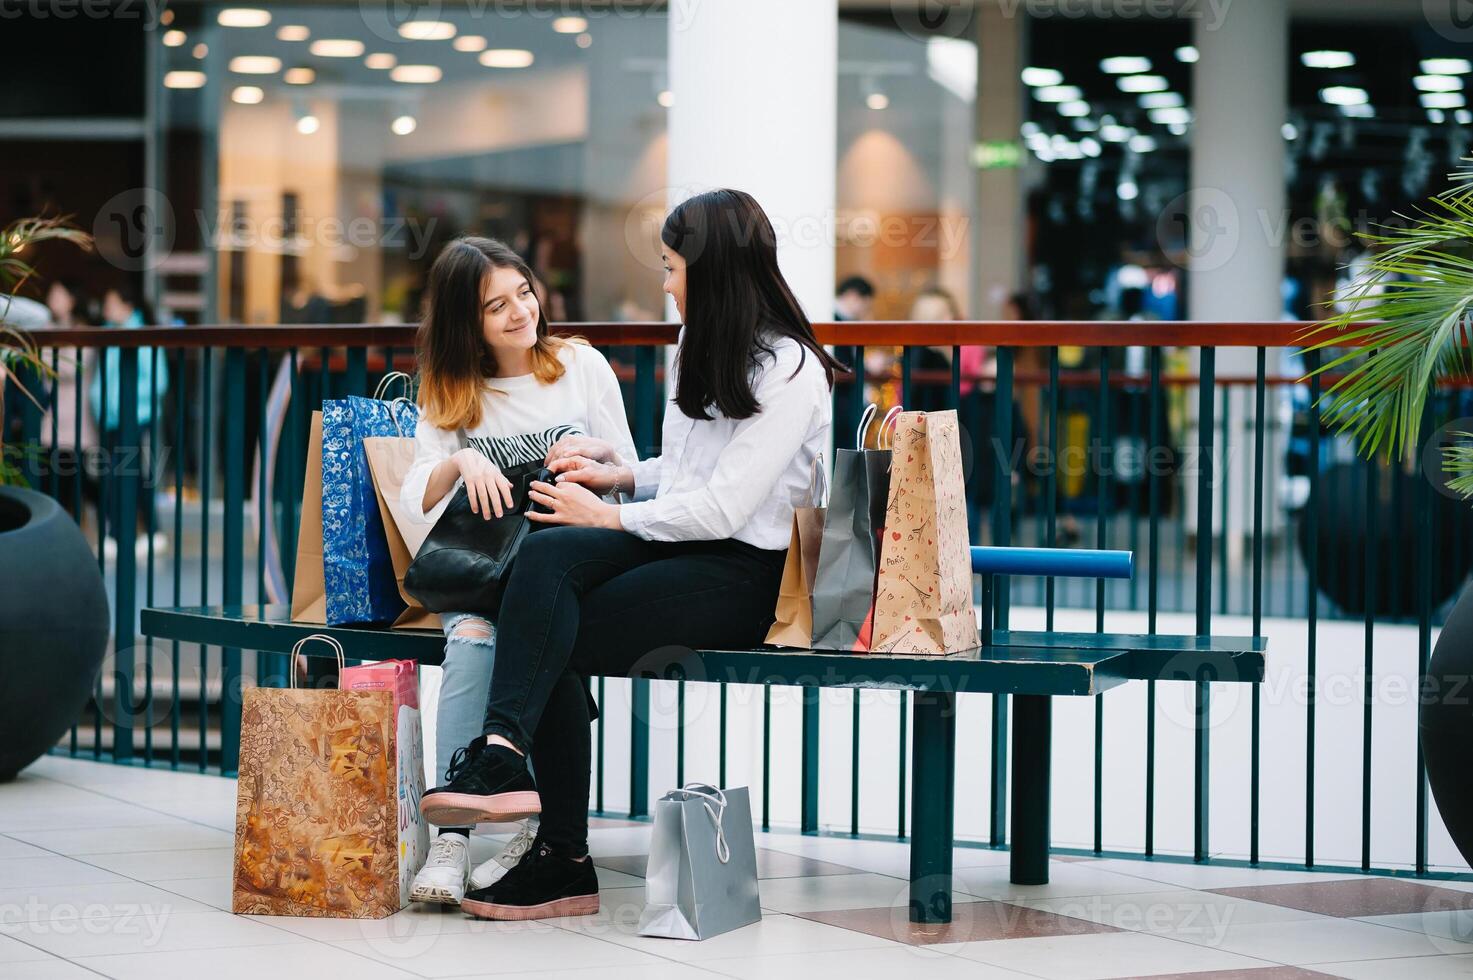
<point>583,601</point>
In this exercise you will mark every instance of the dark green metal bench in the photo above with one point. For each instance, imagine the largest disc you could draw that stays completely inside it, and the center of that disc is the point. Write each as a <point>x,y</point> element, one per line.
<point>1032,667</point>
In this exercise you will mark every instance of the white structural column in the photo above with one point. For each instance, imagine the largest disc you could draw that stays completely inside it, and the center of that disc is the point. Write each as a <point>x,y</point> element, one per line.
<point>998,239</point>
<point>1237,212</point>
<point>754,84</point>
<point>1239,94</point>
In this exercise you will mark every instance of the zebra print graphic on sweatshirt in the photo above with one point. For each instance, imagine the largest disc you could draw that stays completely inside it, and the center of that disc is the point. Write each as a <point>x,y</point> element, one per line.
<point>509,451</point>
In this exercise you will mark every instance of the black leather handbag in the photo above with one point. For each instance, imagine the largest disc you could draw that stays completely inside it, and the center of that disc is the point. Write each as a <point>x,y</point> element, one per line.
<point>465,561</point>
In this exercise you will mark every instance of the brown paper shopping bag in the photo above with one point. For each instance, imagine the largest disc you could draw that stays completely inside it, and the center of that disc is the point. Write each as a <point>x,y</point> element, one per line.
<point>309,601</point>
<point>327,804</point>
<point>389,459</point>
<point>794,613</point>
<point>923,601</point>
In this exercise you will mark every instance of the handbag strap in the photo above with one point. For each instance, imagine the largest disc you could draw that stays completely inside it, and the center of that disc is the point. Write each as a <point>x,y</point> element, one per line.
<point>337,648</point>
<point>714,803</point>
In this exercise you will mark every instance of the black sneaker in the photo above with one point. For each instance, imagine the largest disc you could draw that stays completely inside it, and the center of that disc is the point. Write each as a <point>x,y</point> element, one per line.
<point>543,885</point>
<point>488,784</point>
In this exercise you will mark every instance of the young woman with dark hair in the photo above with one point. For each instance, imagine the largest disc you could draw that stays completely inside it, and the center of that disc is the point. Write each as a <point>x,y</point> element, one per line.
<point>692,557</point>
<point>496,390</point>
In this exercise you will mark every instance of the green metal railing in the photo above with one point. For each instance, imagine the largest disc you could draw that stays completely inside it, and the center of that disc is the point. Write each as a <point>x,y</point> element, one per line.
<point>205,432</point>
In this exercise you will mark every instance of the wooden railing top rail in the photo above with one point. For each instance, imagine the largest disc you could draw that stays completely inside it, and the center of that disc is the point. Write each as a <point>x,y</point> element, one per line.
<point>871,333</point>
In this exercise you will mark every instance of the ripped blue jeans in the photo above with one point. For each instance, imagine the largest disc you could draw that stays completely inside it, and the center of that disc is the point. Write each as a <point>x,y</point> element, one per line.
<point>469,652</point>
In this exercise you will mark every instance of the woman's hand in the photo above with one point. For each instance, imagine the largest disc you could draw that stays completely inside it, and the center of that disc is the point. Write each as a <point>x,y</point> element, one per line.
<point>488,490</point>
<point>572,505</point>
<point>601,478</point>
<point>588,447</point>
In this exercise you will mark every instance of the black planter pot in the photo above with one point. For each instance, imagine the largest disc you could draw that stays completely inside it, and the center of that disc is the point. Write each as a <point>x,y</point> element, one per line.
<point>1343,510</point>
<point>1446,723</point>
<point>53,625</point>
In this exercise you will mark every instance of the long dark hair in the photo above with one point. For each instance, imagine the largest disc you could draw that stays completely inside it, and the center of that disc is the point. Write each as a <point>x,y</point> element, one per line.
<point>454,358</point>
<point>736,303</point>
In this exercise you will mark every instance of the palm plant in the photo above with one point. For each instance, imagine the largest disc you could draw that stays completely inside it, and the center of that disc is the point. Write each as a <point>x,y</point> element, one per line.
<point>1408,322</point>
<point>19,356</point>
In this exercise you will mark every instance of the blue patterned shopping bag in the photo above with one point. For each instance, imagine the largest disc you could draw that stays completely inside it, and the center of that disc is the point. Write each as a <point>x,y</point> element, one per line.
<point>357,570</point>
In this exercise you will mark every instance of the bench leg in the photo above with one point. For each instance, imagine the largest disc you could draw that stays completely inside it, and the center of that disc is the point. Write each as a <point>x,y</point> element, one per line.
<point>932,796</point>
<point>1032,734</point>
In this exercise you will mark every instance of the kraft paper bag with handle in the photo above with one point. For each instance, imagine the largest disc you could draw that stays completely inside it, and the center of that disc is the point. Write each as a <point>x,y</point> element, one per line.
<point>844,584</point>
<point>923,603</point>
<point>327,804</point>
<point>309,602</point>
<point>794,613</point>
<point>389,459</point>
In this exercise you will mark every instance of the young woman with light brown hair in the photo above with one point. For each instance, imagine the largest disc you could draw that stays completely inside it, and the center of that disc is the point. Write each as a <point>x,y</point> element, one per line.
<point>496,390</point>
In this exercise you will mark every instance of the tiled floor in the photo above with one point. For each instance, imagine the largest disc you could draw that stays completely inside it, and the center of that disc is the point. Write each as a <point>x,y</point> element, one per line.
<point>110,871</point>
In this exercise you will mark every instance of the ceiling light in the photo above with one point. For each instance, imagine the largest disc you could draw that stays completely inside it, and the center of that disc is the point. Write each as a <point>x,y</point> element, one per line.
<point>876,100</point>
<point>1327,59</point>
<point>255,64</point>
<point>1167,117</point>
<point>200,50</point>
<point>1438,83</point>
<point>585,40</point>
<point>506,58</point>
<point>403,125</point>
<point>174,39</point>
<point>570,25</point>
<point>1142,83</point>
<point>426,30</point>
<point>1443,100</point>
<point>1125,65</point>
<point>336,47</point>
<point>184,79</point>
<point>1058,93</point>
<point>1177,128</point>
<point>1344,95</point>
<point>380,61</point>
<point>1037,77</point>
<point>299,76</point>
<point>1142,143</point>
<point>308,125</point>
<point>1358,111</point>
<point>1447,66</point>
<point>1127,190</point>
<point>1076,108</point>
<point>1463,116</point>
<point>1187,54</point>
<point>469,43</point>
<point>1116,134</point>
<point>1438,116</point>
<point>1091,147</point>
<point>243,17</point>
<point>1289,131</point>
<point>247,95</point>
<point>292,32</point>
<point>1161,100</point>
<point>1086,125</point>
<point>416,74</point>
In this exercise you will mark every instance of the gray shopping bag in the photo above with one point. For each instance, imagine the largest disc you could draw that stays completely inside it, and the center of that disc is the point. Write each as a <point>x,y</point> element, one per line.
<point>702,875</point>
<point>849,552</point>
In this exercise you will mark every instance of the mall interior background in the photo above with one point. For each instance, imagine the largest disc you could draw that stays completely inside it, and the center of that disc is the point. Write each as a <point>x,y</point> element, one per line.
<point>314,159</point>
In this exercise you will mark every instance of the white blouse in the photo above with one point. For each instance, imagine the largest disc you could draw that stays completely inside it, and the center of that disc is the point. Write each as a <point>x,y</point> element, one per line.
<point>729,478</point>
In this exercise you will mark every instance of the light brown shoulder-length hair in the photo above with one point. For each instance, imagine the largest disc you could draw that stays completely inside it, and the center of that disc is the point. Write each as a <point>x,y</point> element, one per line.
<point>455,361</point>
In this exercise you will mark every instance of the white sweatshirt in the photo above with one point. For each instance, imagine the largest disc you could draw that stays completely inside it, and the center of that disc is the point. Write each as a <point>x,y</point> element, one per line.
<point>520,420</point>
